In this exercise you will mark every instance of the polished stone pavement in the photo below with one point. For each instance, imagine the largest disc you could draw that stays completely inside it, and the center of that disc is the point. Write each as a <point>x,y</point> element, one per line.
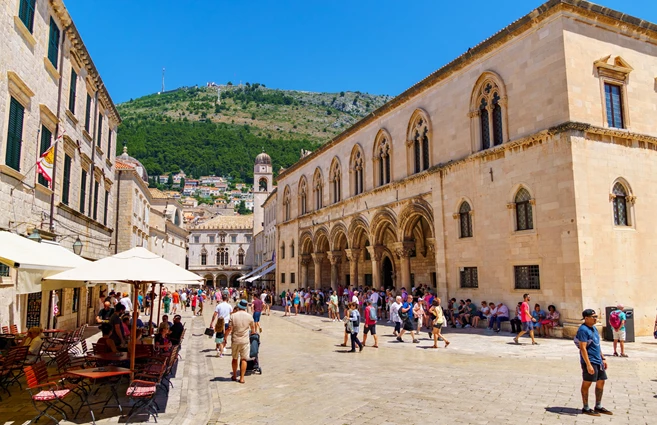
<point>309,379</point>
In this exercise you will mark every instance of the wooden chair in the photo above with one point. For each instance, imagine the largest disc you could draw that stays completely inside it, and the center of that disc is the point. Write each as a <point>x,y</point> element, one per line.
<point>46,392</point>
<point>12,367</point>
<point>5,330</point>
<point>13,329</point>
<point>143,388</point>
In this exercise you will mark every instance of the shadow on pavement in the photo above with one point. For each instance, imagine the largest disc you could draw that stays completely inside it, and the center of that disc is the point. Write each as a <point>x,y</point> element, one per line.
<point>563,410</point>
<point>220,379</point>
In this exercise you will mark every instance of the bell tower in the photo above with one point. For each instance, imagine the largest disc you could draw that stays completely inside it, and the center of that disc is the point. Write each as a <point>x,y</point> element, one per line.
<point>262,186</point>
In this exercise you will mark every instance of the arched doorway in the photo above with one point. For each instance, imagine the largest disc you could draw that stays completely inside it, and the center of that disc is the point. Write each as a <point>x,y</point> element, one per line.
<point>222,281</point>
<point>234,283</point>
<point>209,280</point>
<point>387,273</point>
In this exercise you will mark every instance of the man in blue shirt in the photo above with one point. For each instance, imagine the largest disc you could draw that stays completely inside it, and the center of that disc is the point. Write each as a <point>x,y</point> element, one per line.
<point>406,314</point>
<point>594,365</point>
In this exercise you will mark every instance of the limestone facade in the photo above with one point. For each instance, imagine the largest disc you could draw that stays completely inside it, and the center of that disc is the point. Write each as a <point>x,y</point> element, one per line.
<point>51,91</point>
<point>523,165</point>
<point>221,249</point>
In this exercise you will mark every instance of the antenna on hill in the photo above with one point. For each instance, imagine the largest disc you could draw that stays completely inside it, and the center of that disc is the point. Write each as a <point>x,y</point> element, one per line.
<point>162,80</point>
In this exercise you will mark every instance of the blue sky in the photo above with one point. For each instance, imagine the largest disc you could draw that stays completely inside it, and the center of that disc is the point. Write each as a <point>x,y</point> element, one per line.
<point>380,47</point>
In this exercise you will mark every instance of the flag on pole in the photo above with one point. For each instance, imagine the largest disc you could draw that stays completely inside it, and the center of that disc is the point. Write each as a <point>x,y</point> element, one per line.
<point>273,257</point>
<point>46,163</point>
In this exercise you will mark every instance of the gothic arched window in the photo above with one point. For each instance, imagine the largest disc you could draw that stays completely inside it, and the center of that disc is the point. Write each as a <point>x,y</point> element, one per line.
<point>418,141</point>
<point>303,196</point>
<point>382,155</point>
<point>335,179</point>
<point>286,202</point>
<point>488,109</point>
<point>222,256</point>
<point>240,257</point>
<point>620,195</point>
<point>318,189</point>
<point>465,220</point>
<point>204,257</point>
<point>524,217</point>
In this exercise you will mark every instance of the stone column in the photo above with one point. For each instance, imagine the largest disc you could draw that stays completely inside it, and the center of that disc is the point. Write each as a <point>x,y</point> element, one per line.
<point>318,257</point>
<point>353,255</point>
<point>376,253</point>
<point>305,260</point>
<point>335,257</point>
<point>404,251</point>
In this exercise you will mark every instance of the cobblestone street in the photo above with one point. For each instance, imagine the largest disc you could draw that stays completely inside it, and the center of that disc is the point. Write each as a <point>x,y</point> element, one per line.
<point>309,379</point>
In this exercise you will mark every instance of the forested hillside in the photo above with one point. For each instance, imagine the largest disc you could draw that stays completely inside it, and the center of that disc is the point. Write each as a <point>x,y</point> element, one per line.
<point>190,129</point>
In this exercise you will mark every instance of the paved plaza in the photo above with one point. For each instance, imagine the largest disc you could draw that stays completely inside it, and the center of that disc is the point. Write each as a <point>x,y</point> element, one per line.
<point>309,379</point>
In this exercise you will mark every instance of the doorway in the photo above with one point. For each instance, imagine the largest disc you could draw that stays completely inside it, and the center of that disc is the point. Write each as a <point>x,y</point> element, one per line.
<point>386,273</point>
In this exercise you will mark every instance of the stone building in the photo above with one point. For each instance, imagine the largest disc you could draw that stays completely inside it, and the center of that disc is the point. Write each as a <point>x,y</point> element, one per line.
<point>146,217</point>
<point>220,249</point>
<point>524,165</point>
<point>52,93</point>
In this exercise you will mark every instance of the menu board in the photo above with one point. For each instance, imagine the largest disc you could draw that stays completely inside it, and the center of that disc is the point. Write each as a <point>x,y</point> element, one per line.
<point>33,310</point>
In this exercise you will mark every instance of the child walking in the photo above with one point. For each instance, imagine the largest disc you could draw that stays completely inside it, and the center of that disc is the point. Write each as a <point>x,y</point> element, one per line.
<point>219,336</point>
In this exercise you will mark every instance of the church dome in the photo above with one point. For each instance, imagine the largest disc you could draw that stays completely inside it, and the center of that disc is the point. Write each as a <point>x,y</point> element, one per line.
<point>263,158</point>
<point>134,163</point>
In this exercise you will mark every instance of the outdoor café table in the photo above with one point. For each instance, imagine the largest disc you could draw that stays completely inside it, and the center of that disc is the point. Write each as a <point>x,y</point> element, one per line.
<point>100,374</point>
<point>121,356</point>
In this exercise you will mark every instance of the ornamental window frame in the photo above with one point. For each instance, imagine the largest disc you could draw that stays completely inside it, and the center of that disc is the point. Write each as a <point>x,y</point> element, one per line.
<point>488,114</point>
<point>464,216</point>
<point>381,158</point>
<point>522,205</point>
<point>419,149</point>
<point>287,203</point>
<point>627,203</point>
<point>357,170</point>
<point>335,181</point>
<point>318,189</point>
<point>303,196</point>
<point>614,74</point>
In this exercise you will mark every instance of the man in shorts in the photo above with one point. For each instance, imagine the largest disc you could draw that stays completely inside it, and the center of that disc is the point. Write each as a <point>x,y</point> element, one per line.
<point>257,312</point>
<point>370,323</point>
<point>619,334</point>
<point>527,320</point>
<point>176,302</point>
<point>594,364</point>
<point>240,325</point>
<point>224,310</point>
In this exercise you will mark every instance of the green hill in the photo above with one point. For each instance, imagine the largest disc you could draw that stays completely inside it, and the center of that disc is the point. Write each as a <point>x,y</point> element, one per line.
<point>190,129</point>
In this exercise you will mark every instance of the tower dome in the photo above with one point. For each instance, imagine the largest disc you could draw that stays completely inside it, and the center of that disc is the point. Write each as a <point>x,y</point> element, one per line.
<point>263,158</point>
<point>134,163</point>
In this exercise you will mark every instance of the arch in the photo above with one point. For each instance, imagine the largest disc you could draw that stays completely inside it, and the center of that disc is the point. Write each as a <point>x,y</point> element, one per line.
<point>488,112</point>
<point>321,240</point>
<point>240,257</point>
<point>339,234</point>
<point>306,242</point>
<point>222,256</point>
<point>622,201</point>
<point>233,280</point>
<point>263,184</point>
<point>208,278</point>
<point>318,189</point>
<point>335,180</point>
<point>523,202</point>
<point>382,158</point>
<point>383,219</point>
<point>286,203</point>
<point>221,280</point>
<point>465,219</point>
<point>418,141</point>
<point>358,227</point>
<point>357,170</point>
<point>303,195</point>
<point>409,217</point>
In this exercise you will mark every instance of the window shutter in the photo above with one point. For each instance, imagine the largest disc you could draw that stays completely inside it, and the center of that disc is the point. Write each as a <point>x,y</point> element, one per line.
<point>100,131</point>
<point>87,114</point>
<point>26,13</point>
<point>106,207</point>
<point>72,91</point>
<point>109,144</point>
<point>46,137</point>
<point>53,43</point>
<point>66,184</point>
<point>95,214</point>
<point>83,191</point>
<point>15,134</point>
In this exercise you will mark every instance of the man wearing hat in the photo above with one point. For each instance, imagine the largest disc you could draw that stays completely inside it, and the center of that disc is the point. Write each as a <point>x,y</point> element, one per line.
<point>593,362</point>
<point>241,323</point>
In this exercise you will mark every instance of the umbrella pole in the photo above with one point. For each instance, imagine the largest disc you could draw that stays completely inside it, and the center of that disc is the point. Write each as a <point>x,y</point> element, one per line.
<point>133,331</point>
<point>150,324</point>
<point>159,305</point>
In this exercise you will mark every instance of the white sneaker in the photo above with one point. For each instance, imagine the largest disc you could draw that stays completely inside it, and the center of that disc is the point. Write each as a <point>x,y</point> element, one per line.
<point>389,321</point>
<point>467,326</point>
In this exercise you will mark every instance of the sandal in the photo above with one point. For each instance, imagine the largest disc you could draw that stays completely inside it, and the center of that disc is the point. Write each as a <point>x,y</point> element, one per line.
<point>624,355</point>
<point>233,378</point>
<point>615,354</point>
<point>590,412</point>
<point>603,411</point>
<point>343,345</point>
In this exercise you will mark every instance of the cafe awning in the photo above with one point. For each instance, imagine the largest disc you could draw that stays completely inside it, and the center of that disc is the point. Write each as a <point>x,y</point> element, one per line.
<point>251,273</point>
<point>259,275</point>
<point>35,260</point>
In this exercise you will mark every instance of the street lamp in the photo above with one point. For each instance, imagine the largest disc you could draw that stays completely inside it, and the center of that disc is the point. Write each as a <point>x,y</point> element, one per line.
<point>35,235</point>
<point>77,246</point>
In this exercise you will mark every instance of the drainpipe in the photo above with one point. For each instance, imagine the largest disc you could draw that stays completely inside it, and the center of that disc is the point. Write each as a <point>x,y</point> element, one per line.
<point>93,153</point>
<point>51,222</point>
<point>116,208</point>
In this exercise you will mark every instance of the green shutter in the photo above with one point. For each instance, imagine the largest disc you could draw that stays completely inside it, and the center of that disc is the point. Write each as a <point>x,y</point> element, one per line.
<point>53,43</point>
<point>109,144</point>
<point>100,131</point>
<point>72,91</point>
<point>15,135</point>
<point>106,207</point>
<point>46,138</point>
<point>26,13</point>
<point>87,114</point>
<point>95,215</point>
<point>83,191</point>
<point>66,184</point>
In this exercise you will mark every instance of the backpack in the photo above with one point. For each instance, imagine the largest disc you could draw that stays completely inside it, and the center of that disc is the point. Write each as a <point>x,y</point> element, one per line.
<point>615,319</point>
<point>403,315</point>
<point>268,299</point>
<point>372,314</point>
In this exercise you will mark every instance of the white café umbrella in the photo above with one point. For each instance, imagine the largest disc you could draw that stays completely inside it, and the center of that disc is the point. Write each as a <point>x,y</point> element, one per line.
<point>134,266</point>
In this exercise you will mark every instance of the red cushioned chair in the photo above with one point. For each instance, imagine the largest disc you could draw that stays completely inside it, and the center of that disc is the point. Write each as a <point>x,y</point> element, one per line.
<point>49,395</point>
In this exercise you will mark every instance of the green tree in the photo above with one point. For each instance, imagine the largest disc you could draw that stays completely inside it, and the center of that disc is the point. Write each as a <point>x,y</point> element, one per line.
<point>182,184</point>
<point>341,94</point>
<point>241,209</point>
<point>170,181</point>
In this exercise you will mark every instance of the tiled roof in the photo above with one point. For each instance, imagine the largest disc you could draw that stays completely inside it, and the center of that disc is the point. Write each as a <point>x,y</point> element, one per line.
<point>157,193</point>
<point>120,165</point>
<point>228,222</point>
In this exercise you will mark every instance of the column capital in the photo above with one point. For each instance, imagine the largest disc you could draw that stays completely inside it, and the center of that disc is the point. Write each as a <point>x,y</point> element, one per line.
<point>431,245</point>
<point>318,257</point>
<point>404,249</point>
<point>305,259</point>
<point>335,257</point>
<point>352,254</point>
<point>376,252</point>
